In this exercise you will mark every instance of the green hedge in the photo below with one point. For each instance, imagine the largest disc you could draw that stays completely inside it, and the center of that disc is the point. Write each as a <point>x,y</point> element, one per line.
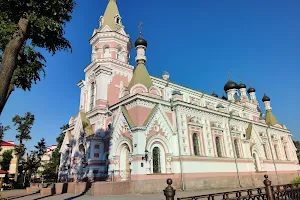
<point>296,180</point>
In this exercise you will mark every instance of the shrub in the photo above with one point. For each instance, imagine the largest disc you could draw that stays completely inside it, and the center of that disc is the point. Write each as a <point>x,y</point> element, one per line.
<point>296,180</point>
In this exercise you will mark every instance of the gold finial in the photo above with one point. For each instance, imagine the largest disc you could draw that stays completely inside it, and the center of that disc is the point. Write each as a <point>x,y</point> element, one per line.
<point>263,88</point>
<point>141,28</point>
<point>240,77</point>
<point>249,83</point>
<point>229,74</point>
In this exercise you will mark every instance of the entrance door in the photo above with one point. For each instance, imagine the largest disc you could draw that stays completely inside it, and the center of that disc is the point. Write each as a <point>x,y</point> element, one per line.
<point>124,162</point>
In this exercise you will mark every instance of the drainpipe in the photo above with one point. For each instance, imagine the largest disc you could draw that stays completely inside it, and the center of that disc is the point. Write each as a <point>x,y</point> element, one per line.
<point>179,146</point>
<point>272,153</point>
<point>233,148</point>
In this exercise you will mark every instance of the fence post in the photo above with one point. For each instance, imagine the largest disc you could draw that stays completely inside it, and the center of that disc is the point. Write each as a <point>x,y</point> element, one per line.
<point>169,192</point>
<point>269,189</point>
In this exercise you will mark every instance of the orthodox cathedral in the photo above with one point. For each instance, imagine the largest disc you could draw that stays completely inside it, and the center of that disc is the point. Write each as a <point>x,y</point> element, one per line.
<point>140,129</point>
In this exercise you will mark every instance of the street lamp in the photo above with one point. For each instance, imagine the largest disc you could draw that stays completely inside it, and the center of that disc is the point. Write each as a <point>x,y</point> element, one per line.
<point>146,155</point>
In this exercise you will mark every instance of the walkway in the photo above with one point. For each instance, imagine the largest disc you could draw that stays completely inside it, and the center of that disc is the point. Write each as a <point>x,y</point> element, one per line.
<point>21,194</point>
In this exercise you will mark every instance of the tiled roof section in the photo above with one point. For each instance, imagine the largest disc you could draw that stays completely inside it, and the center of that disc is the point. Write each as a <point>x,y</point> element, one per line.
<point>140,76</point>
<point>271,119</point>
<point>150,115</point>
<point>249,131</point>
<point>7,144</point>
<point>87,127</point>
<point>127,117</point>
<point>109,16</point>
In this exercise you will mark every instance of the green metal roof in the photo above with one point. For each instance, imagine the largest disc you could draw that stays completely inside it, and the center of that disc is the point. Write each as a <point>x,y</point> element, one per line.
<point>109,16</point>
<point>270,118</point>
<point>140,76</point>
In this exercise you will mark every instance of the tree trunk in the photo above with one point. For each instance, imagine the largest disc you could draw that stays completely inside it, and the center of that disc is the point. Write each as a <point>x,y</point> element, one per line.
<point>10,58</point>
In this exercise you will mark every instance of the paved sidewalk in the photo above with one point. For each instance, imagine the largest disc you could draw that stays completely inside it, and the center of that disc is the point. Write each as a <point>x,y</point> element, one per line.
<point>21,194</point>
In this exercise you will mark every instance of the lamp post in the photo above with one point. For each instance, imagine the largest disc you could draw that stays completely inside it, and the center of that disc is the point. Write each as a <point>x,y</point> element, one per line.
<point>267,132</point>
<point>146,155</point>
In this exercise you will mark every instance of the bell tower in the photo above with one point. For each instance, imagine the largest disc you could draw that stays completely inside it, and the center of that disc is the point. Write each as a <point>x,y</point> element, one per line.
<point>109,72</point>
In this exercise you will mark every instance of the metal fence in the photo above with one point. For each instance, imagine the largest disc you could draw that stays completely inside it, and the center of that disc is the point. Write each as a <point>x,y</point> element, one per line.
<point>269,192</point>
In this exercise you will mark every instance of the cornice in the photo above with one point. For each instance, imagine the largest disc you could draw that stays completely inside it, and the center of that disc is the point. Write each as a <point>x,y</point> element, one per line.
<point>103,61</point>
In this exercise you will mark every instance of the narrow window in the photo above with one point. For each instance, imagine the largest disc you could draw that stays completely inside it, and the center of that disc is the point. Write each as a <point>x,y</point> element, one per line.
<point>236,146</point>
<point>276,153</point>
<point>286,153</point>
<point>218,146</point>
<point>96,155</point>
<point>156,160</point>
<point>196,145</point>
<point>97,146</point>
<point>255,161</point>
<point>265,150</point>
<point>92,96</point>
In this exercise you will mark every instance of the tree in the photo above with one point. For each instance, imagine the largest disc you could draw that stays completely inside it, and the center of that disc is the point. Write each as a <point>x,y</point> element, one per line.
<point>24,125</point>
<point>6,158</point>
<point>2,131</point>
<point>41,148</point>
<point>59,140</point>
<point>25,25</point>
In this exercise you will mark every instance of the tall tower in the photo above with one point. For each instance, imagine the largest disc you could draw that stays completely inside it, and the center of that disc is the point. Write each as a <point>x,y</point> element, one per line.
<point>109,71</point>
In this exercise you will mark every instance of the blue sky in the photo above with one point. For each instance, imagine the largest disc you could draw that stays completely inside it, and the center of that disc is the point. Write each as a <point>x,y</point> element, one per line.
<point>196,41</point>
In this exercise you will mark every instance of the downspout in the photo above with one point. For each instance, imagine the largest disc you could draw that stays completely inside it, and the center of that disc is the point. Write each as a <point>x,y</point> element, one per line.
<point>232,143</point>
<point>272,153</point>
<point>179,146</point>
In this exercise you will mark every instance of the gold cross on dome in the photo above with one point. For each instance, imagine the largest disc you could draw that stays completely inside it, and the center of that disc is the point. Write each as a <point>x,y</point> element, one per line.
<point>240,77</point>
<point>141,27</point>
<point>229,74</point>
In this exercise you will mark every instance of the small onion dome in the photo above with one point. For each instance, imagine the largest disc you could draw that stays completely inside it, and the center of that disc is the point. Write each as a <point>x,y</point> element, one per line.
<point>140,41</point>
<point>251,89</point>
<point>223,97</point>
<point>214,94</point>
<point>265,98</point>
<point>230,85</point>
<point>242,85</point>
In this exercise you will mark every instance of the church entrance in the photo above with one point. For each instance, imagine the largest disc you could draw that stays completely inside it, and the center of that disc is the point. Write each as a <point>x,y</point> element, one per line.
<point>124,162</point>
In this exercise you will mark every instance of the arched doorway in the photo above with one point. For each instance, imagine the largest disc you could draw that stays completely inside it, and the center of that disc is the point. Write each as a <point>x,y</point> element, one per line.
<point>124,162</point>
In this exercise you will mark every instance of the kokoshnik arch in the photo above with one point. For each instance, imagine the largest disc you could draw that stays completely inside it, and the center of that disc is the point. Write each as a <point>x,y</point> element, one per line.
<point>138,127</point>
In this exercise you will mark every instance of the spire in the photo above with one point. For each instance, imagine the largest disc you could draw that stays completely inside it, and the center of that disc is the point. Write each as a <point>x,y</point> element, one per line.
<point>140,74</point>
<point>111,16</point>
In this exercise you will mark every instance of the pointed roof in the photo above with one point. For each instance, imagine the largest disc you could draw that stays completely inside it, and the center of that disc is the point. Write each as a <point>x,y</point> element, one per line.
<point>270,118</point>
<point>249,131</point>
<point>87,127</point>
<point>140,76</point>
<point>109,16</point>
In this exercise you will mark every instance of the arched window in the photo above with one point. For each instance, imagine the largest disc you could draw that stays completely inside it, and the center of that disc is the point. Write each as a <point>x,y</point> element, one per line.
<point>286,153</point>
<point>156,160</point>
<point>265,150</point>
<point>236,147</point>
<point>218,146</point>
<point>92,96</point>
<point>196,144</point>
<point>106,53</point>
<point>276,152</point>
<point>255,161</point>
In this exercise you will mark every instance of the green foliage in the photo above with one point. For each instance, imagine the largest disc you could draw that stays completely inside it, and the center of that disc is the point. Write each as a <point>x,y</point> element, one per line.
<point>296,180</point>
<point>41,148</point>
<point>46,23</point>
<point>61,136</point>
<point>2,131</point>
<point>23,126</point>
<point>6,158</point>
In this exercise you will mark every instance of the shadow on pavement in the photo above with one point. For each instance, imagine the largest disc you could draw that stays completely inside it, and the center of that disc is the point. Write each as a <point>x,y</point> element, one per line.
<point>87,188</point>
<point>20,196</point>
